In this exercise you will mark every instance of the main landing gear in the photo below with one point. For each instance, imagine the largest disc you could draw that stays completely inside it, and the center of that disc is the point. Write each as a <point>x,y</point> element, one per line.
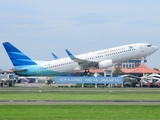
<point>87,73</point>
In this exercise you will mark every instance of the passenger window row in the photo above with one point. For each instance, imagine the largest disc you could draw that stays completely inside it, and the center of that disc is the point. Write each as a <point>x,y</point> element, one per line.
<point>89,58</point>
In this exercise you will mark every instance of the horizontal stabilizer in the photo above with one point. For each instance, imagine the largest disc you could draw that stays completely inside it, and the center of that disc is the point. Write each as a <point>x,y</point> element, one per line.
<point>20,70</point>
<point>55,57</point>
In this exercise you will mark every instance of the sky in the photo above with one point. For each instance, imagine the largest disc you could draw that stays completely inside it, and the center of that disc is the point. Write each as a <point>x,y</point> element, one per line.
<point>40,27</point>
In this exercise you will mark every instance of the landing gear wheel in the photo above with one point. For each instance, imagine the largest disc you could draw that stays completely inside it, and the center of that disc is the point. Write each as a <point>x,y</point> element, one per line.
<point>87,73</point>
<point>145,60</point>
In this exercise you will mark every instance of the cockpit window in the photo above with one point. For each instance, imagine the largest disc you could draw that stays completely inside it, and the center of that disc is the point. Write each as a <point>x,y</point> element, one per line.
<point>149,45</point>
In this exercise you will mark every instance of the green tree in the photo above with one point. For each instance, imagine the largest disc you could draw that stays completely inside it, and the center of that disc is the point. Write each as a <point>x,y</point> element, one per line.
<point>117,72</point>
<point>133,81</point>
<point>49,81</point>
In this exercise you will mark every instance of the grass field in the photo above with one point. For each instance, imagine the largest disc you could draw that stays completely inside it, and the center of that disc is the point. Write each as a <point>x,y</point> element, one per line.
<point>79,112</point>
<point>82,94</point>
<point>77,96</point>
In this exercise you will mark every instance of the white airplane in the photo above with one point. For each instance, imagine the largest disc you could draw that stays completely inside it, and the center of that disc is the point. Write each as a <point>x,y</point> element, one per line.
<point>101,59</point>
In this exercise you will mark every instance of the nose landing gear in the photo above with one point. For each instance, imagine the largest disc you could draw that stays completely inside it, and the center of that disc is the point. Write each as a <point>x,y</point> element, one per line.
<point>145,60</point>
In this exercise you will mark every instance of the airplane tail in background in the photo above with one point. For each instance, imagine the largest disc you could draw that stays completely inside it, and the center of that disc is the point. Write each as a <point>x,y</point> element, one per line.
<point>16,56</point>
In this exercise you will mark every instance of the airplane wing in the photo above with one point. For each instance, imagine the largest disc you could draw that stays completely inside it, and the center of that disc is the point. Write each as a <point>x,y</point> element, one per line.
<point>84,64</point>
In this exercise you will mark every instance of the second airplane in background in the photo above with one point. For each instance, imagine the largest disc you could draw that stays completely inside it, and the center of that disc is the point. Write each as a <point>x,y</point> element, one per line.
<point>101,59</point>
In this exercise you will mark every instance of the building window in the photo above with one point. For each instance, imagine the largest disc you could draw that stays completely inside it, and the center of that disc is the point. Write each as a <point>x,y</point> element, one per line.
<point>124,66</point>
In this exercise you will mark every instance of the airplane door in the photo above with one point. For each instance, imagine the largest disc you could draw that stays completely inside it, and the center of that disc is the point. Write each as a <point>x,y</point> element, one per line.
<point>142,48</point>
<point>38,70</point>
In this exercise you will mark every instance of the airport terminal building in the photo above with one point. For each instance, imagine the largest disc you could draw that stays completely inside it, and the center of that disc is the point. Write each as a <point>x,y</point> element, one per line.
<point>8,78</point>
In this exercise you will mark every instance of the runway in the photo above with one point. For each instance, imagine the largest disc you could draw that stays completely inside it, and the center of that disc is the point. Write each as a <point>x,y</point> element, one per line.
<point>80,102</point>
<point>83,102</point>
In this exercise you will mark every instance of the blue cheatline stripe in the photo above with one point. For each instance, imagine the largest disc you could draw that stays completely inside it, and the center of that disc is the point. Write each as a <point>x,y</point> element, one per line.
<point>36,70</point>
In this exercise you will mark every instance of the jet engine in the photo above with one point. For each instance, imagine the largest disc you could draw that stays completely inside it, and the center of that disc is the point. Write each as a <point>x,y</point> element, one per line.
<point>105,64</point>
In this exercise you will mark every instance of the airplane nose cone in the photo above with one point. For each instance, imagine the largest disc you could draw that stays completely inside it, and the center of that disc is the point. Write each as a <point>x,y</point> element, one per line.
<point>155,48</point>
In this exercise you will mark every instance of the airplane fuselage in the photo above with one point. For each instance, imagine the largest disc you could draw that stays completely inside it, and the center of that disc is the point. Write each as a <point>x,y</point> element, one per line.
<point>66,65</point>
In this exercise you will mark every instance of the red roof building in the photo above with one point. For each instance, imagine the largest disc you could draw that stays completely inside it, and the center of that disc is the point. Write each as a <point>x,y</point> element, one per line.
<point>141,69</point>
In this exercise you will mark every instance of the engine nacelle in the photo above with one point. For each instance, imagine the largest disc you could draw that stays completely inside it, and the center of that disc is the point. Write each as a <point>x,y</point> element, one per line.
<point>105,64</point>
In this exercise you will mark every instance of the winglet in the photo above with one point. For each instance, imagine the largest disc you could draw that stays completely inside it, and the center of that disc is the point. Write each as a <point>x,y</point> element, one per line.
<point>55,57</point>
<point>70,55</point>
